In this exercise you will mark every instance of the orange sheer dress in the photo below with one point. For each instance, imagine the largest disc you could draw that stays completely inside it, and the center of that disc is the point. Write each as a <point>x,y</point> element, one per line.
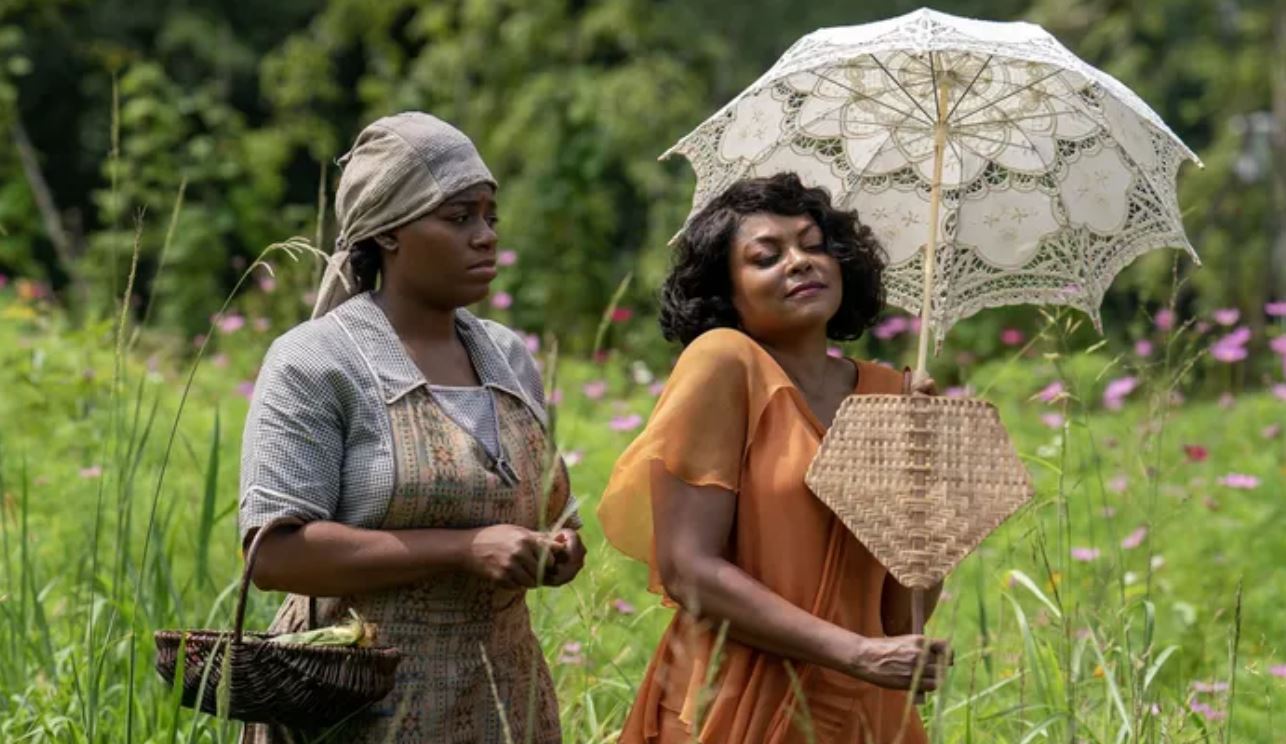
<point>730,417</point>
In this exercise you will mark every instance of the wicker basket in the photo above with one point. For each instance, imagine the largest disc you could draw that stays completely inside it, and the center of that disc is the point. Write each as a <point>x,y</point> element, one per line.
<point>293,685</point>
<point>919,480</point>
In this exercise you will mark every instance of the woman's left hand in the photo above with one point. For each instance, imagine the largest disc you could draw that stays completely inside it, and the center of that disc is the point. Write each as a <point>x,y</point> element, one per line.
<point>925,387</point>
<point>567,563</point>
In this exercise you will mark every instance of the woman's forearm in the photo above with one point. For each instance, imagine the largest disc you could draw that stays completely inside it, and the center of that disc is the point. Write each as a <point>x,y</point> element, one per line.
<point>329,559</point>
<point>713,589</point>
<point>895,607</point>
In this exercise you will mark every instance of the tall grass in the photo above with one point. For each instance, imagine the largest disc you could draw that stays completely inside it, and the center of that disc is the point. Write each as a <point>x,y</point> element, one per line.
<point>1049,648</point>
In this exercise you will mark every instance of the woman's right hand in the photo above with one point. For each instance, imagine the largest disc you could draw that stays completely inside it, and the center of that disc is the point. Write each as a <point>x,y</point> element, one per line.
<point>510,555</point>
<point>893,662</point>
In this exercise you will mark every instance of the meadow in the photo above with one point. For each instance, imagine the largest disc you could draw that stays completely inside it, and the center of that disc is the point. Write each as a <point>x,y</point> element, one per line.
<point>1137,599</point>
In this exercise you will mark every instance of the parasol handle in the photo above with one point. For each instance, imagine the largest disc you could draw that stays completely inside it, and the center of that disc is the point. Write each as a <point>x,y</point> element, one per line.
<point>917,627</point>
<point>931,247</point>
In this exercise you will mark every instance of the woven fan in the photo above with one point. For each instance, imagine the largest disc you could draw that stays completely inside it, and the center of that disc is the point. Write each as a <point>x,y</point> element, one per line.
<point>919,480</point>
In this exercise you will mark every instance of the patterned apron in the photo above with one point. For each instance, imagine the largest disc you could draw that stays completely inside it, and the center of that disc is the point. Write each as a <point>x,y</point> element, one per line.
<point>443,626</point>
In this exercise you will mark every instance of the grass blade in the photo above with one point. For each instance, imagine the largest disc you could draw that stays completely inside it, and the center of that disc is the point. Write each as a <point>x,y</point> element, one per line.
<point>1030,585</point>
<point>205,526</point>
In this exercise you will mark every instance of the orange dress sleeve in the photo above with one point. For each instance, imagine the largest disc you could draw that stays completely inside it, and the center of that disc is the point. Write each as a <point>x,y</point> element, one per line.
<point>699,431</point>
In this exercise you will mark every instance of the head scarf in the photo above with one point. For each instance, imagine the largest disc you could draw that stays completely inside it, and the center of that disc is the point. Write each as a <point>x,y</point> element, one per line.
<point>400,168</point>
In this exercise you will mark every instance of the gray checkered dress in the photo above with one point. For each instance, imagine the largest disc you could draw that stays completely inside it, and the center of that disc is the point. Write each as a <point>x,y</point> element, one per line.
<point>344,427</point>
<point>318,439</point>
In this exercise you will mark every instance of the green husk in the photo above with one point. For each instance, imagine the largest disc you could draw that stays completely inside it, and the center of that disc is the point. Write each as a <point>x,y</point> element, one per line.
<point>354,632</point>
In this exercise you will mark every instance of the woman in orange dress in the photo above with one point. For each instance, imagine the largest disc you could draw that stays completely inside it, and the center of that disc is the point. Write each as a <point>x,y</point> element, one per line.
<point>787,629</point>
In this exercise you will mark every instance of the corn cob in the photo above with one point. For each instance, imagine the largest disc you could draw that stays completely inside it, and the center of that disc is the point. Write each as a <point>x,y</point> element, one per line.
<point>354,632</point>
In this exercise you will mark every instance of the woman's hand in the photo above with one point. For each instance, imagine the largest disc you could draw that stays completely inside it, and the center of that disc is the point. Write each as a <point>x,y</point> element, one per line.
<point>893,662</point>
<point>924,387</point>
<point>511,555</point>
<point>569,562</point>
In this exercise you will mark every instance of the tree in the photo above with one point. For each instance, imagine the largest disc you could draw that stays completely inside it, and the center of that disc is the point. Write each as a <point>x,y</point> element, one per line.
<point>1207,69</point>
<point>570,102</point>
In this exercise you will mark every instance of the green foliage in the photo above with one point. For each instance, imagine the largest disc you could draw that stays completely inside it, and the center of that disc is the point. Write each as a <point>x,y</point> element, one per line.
<point>19,226</point>
<point>570,104</point>
<point>569,118</point>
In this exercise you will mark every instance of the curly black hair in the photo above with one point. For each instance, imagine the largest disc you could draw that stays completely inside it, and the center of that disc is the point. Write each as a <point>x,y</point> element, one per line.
<point>697,294</point>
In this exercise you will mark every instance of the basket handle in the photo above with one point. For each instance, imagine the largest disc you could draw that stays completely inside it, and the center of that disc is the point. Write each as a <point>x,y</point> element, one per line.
<point>252,554</point>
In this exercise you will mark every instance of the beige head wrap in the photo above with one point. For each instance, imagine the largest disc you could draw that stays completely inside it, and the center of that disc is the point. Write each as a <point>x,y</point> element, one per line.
<point>400,168</point>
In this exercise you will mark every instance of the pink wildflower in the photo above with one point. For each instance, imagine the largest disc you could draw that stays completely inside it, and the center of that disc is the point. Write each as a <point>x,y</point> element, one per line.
<point>571,654</point>
<point>1085,555</point>
<point>891,327</point>
<point>1135,538</point>
<point>626,423</point>
<point>1240,481</point>
<point>1050,392</point>
<point>1226,316</point>
<point>231,323</point>
<point>1209,713</point>
<point>1116,391</point>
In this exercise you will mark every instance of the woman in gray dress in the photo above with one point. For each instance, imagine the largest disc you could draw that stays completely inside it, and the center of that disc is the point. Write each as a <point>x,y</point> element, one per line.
<point>404,440</point>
